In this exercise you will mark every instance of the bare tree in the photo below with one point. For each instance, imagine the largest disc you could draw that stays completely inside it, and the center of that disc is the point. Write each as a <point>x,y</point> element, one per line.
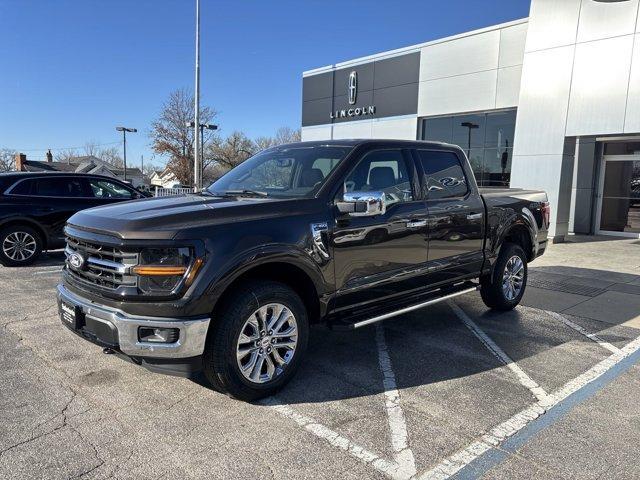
<point>171,136</point>
<point>7,160</point>
<point>231,151</point>
<point>111,155</point>
<point>66,155</point>
<point>149,169</point>
<point>262,143</point>
<point>91,148</point>
<point>213,172</point>
<point>283,135</point>
<point>286,135</point>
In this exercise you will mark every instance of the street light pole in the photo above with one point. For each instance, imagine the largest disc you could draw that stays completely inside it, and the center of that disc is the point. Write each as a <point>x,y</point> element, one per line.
<point>470,126</point>
<point>201,129</point>
<point>197,178</point>
<point>124,131</point>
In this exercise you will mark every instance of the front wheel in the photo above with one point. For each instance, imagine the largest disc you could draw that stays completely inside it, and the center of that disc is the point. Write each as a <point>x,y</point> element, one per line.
<point>504,289</point>
<point>257,341</point>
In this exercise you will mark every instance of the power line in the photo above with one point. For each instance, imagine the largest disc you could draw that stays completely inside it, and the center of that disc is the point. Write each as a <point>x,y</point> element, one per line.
<point>64,148</point>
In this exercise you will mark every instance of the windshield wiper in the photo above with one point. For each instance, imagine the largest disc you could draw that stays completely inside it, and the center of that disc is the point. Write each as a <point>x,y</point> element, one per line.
<point>245,191</point>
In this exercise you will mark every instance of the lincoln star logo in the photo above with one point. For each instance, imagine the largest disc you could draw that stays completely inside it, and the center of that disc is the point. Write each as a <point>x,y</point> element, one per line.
<point>352,90</point>
<point>352,97</point>
<point>76,261</point>
<point>353,87</point>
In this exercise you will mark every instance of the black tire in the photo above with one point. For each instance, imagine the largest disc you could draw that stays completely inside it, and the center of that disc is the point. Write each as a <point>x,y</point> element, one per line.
<point>21,231</point>
<point>491,286</point>
<point>220,364</point>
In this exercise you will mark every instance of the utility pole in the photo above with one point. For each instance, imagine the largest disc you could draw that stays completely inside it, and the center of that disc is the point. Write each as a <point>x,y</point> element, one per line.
<point>142,166</point>
<point>197,177</point>
<point>124,131</point>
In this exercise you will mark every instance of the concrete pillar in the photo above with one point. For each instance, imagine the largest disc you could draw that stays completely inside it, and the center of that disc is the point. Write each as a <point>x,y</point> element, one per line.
<point>543,156</point>
<point>584,188</point>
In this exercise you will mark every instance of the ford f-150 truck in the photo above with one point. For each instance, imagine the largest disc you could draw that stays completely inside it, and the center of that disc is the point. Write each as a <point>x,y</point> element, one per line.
<point>227,281</point>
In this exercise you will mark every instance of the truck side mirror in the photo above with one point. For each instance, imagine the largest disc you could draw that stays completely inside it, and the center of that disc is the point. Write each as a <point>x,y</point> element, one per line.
<point>362,204</point>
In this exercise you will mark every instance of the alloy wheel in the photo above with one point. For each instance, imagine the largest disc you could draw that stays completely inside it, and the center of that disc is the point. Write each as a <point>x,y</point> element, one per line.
<point>19,246</point>
<point>513,278</point>
<point>267,343</point>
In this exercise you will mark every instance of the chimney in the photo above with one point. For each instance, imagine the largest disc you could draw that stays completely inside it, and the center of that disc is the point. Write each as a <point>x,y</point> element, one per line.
<point>21,158</point>
<point>49,156</point>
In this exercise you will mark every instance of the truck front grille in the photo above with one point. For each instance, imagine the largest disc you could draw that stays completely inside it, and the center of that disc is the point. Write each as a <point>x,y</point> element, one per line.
<point>102,266</point>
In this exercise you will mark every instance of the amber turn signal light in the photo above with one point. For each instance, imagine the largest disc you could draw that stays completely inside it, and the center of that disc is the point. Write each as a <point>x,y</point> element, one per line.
<point>197,263</point>
<point>159,270</point>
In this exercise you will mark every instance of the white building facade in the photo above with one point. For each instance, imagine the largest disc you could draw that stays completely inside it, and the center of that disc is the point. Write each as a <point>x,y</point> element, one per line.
<point>550,102</point>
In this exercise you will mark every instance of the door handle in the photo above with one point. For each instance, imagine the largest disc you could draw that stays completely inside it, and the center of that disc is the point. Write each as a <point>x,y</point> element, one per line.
<point>474,216</point>
<point>416,224</point>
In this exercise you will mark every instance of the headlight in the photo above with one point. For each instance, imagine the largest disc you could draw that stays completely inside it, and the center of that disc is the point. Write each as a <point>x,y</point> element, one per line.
<point>161,270</point>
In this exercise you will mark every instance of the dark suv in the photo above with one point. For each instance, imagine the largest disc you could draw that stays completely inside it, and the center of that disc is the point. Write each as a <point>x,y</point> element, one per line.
<point>34,208</point>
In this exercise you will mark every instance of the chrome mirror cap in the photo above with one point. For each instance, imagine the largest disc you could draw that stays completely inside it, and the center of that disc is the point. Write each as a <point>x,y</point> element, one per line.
<point>362,204</point>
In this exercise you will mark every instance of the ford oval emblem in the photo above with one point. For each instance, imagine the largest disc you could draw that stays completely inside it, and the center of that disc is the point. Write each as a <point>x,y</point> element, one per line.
<point>76,261</point>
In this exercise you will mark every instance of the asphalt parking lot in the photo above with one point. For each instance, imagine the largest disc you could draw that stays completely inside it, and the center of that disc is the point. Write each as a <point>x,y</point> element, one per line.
<point>549,390</point>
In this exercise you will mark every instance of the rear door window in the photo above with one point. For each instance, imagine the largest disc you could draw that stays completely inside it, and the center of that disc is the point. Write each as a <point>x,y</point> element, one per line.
<point>59,187</point>
<point>443,174</point>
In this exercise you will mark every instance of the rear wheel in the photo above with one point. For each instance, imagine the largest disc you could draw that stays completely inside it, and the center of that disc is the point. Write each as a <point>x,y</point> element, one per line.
<point>19,245</point>
<point>257,341</point>
<point>504,289</point>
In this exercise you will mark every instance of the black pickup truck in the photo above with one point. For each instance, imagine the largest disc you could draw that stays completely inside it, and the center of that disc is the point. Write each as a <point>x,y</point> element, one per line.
<point>348,233</point>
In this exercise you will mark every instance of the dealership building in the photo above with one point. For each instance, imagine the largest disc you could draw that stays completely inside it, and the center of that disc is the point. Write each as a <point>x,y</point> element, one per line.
<point>549,102</point>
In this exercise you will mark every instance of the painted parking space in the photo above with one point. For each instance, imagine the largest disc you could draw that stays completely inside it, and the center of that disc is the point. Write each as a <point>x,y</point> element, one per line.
<point>433,394</point>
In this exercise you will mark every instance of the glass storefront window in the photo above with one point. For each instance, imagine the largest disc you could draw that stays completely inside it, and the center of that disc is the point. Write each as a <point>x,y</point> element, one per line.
<point>468,131</point>
<point>497,167</point>
<point>476,158</point>
<point>487,139</point>
<point>622,148</point>
<point>438,129</point>
<point>501,127</point>
<point>621,197</point>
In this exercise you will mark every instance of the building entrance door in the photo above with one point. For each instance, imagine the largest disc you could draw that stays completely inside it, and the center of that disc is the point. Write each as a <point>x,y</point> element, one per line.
<point>619,199</point>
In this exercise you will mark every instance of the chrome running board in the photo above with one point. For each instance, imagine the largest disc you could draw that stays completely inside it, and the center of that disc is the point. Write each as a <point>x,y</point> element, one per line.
<point>411,308</point>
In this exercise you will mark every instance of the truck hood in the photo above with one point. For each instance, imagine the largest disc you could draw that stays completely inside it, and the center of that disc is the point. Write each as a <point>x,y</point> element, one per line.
<point>165,217</point>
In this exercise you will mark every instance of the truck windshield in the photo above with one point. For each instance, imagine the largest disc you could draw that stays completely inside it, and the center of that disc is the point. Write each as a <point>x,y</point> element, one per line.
<point>288,172</point>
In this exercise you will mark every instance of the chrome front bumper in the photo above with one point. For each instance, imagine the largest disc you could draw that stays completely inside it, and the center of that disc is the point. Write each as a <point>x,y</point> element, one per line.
<point>191,341</point>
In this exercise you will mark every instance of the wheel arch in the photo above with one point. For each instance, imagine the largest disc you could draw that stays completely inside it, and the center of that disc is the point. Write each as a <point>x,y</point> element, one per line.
<point>521,235</point>
<point>297,274</point>
<point>30,223</point>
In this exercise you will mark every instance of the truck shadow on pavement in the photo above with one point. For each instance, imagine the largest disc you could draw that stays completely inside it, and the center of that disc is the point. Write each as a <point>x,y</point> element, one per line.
<point>431,346</point>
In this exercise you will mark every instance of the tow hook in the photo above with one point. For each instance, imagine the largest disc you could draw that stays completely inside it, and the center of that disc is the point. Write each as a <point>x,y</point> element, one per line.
<point>108,351</point>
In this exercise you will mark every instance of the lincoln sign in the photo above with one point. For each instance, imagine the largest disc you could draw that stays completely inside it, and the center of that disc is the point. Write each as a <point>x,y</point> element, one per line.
<point>353,112</point>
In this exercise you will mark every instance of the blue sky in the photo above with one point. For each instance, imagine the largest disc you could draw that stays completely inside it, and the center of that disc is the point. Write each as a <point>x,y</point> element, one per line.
<point>71,70</point>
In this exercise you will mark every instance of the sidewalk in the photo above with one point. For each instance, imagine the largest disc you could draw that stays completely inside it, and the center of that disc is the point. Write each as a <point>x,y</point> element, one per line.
<point>605,287</point>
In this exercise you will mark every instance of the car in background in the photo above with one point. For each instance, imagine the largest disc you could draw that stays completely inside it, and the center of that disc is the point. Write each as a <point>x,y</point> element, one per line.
<point>34,208</point>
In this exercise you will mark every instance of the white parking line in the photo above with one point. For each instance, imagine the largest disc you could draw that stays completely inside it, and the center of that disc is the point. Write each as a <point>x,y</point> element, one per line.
<point>387,467</point>
<point>403,466</point>
<point>395,416</point>
<point>583,331</point>
<point>523,378</point>
<point>48,272</point>
<point>497,435</point>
